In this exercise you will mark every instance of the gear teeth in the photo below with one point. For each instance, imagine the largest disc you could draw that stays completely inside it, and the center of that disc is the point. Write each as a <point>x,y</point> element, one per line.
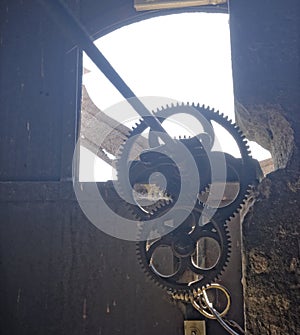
<point>184,292</point>
<point>132,212</point>
<point>238,209</point>
<point>210,115</point>
<point>148,276</point>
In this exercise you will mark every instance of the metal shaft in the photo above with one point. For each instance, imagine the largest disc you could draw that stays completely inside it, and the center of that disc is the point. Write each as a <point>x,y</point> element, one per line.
<point>79,36</point>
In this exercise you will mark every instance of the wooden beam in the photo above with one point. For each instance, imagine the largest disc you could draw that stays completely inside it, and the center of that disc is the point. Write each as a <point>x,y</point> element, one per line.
<point>140,5</point>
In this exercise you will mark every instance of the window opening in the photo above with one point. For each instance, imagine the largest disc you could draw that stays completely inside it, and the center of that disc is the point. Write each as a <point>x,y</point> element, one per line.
<point>184,57</point>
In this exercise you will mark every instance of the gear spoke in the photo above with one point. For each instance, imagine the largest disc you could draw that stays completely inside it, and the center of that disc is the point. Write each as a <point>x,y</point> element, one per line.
<point>207,230</point>
<point>177,275</point>
<point>199,271</point>
<point>160,242</point>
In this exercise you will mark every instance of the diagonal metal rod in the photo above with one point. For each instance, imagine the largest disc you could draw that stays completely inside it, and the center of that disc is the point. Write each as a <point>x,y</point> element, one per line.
<point>79,36</point>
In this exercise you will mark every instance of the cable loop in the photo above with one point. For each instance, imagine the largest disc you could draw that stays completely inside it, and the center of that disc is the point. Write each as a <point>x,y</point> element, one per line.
<point>200,301</point>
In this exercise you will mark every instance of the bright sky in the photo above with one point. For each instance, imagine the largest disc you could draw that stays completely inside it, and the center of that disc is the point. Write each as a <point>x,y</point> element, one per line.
<point>185,57</point>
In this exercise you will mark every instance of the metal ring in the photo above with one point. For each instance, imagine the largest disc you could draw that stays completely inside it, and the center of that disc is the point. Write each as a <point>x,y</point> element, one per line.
<point>201,305</point>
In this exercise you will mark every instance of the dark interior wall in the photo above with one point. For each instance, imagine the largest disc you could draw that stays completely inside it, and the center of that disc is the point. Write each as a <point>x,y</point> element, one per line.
<point>266,71</point>
<point>38,87</point>
<point>59,274</point>
<point>266,54</point>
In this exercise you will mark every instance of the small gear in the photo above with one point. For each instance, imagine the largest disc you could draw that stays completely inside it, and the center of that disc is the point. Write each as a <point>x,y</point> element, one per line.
<point>185,259</point>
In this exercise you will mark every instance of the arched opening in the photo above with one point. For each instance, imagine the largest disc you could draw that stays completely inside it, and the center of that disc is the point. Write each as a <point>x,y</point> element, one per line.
<point>182,57</point>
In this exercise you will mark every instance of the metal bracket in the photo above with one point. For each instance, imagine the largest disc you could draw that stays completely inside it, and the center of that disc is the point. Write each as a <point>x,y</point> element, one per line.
<point>194,327</point>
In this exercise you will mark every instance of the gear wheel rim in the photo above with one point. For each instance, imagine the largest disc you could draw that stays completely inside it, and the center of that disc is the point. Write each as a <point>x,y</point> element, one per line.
<point>210,114</point>
<point>212,274</point>
<point>245,179</point>
<point>226,213</point>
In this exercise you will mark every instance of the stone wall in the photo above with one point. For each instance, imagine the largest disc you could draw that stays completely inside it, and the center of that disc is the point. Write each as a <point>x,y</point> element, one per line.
<point>265,56</point>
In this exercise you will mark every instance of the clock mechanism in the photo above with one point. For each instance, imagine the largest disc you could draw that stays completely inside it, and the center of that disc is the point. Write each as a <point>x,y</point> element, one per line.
<point>184,242</point>
<point>182,191</point>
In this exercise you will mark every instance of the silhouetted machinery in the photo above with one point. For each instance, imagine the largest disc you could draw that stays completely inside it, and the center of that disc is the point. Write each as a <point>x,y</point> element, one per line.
<point>183,191</point>
<point>184,242</point>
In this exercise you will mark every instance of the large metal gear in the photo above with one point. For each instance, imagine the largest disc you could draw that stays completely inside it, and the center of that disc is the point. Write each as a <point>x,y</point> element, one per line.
<point>182,244</point>
<point>242,170</point>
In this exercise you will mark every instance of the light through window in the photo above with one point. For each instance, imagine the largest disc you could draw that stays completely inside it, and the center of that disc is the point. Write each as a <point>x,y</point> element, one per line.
<point>185,57</point>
